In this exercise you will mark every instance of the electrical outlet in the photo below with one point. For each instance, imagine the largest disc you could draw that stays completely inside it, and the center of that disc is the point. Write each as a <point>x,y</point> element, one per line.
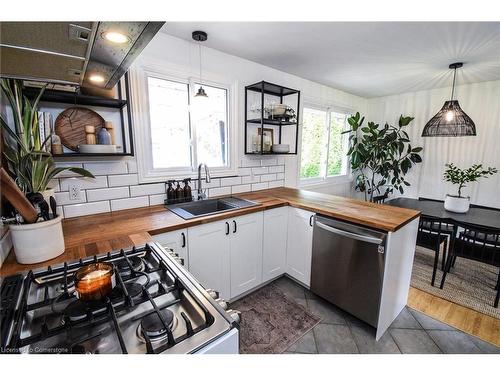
<point>74,192</point>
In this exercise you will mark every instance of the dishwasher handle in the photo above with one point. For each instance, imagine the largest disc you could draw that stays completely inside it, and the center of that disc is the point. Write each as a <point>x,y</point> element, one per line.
<point>354,236</point>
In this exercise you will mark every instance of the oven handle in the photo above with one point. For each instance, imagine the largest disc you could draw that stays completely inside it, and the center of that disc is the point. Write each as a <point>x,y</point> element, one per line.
<point>354,236</point>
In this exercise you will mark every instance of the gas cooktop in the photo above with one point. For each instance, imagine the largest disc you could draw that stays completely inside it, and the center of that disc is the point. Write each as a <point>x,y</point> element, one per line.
<point>156,306</point>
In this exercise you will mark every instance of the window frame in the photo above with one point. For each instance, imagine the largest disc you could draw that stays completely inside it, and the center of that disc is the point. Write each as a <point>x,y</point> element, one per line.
<point>142,121</point>
<point>325,180</point>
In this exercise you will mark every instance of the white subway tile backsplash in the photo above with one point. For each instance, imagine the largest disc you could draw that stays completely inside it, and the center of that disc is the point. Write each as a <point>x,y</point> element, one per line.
<point>240,188</point>
<point>157,199</point>
<point>261,170</point>
<point>280,176</point>
<point>60,211</point>
<point>250,162</point>
<point>277,169</point>
<point>106,167</point>
<point>123,180</point>
<point>278,183</point>
<point>244,171</point>
<point>260,186</point>
<point>68,173</point>
<point>84,183</point>
<point>268,177</point>
<point>86,209</point>
<point>250,179</point>
<point>280,160</point>
<point>147,189</point>
<point>62,198</point>
<point>107,194</point>
<point>268,161</point>
<point>215,192</point>
<point>229,181</point>
<point>123,204</point>
<point>214,182</point>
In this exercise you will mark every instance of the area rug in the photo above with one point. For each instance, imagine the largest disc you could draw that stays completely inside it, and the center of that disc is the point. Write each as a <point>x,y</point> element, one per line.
<point>271,322</point>
<point>470,284</point>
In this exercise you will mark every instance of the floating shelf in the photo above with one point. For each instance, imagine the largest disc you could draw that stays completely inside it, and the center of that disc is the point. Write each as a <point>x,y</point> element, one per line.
<point>55,96</point>
<point>272,122</point>
<point>258,96</point>
<point>84,154</point>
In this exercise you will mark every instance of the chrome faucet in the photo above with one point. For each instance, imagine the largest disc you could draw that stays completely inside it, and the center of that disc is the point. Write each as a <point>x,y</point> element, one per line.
<point>201,193</point>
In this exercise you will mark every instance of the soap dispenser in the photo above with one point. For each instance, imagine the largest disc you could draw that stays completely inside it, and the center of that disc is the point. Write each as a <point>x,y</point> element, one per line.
<point>170,193</point>
<point>179,193</point>
<point>188,197</point>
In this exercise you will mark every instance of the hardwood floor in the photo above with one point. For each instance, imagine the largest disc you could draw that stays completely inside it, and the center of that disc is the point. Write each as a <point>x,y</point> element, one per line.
<point>477,324</point>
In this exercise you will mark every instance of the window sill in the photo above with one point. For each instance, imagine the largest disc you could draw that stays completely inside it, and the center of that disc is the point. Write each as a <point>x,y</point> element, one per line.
<point>329,181</point>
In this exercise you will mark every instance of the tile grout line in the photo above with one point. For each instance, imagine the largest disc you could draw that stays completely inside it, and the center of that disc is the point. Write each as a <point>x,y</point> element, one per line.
<point>423,329</point>
<point>314,335</point>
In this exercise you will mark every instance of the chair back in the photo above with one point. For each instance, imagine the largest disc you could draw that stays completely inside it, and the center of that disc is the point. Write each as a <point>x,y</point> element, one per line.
<point>431,232</point>
<point>478,243</point>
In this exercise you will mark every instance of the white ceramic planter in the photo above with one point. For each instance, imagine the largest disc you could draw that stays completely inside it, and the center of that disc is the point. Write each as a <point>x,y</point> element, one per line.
<point>456,204</point>
<point>38,242</point>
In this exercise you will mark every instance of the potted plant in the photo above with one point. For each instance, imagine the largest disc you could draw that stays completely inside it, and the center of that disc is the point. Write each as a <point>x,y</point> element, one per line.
<point>457,176</point>
<point>380,156</point>
<point>32,168</point>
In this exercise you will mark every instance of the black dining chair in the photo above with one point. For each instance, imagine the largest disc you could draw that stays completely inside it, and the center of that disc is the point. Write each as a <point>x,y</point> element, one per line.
<point>479,244</point>
<point>431,236</point>
<point>380,198</point>
<point>446,228</point>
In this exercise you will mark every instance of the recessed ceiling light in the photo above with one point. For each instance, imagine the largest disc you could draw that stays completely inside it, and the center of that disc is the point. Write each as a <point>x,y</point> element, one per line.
<point>96,78</point>
<point>116,37</point>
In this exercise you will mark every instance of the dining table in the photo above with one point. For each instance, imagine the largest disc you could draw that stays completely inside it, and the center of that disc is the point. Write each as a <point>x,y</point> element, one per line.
<point>484,217</point>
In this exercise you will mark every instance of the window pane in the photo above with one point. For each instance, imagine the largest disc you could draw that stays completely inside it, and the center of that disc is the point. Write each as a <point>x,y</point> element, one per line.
<point>170,131</point>
<point>336,148</point>
<point>209,115</point>
<point>313,143</point>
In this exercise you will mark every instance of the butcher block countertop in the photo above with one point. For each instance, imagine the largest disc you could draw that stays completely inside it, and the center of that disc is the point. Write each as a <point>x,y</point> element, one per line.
<point>100,233</point>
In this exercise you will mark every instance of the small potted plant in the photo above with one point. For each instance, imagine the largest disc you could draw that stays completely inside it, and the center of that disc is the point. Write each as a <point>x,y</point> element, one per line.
<point>31,168</point>
<point>457,176</point>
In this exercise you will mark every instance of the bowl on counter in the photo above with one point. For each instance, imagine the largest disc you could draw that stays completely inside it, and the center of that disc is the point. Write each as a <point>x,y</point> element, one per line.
<point>281,148</point>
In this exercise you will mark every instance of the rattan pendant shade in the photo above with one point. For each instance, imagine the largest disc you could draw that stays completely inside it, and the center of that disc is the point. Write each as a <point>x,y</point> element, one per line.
<point>451,120</point>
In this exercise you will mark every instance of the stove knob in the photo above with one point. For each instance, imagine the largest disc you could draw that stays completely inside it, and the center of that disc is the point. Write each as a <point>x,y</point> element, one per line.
<point>235,315</point>
<point>212,293</point>
<point>222,303</point>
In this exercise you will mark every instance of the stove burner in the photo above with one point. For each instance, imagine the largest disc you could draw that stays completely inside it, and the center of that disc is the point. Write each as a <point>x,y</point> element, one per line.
<point>124,269</point>
<point>152,326</point>
<point>133,289</point>
<point>77,310</point>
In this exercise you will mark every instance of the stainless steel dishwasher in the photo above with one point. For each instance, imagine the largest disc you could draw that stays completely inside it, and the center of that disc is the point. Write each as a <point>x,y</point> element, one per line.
<point>348,266</point>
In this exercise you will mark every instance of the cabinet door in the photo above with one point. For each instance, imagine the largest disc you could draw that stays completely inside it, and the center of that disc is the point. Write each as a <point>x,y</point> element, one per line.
<point>299,249</point>
<point>209,256</point>
<point>246,252</point>
<point>274,243</point>
<point>176,240</point>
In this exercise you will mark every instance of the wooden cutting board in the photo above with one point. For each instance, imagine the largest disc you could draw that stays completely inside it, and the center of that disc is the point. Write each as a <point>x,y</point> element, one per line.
<point>70,125</point>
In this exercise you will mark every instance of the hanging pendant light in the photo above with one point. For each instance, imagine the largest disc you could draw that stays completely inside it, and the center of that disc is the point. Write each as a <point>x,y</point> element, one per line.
<point>200,36</point>
<point>451,120</point>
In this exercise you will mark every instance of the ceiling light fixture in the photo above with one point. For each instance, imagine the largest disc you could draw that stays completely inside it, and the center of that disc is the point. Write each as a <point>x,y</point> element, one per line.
<point>200,36</point>
<point>116,37</point>
<point>96,78</point>
<point>451,120</point>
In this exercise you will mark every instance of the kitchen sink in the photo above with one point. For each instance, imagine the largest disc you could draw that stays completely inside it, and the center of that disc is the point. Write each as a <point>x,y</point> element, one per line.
<point>191,210</point>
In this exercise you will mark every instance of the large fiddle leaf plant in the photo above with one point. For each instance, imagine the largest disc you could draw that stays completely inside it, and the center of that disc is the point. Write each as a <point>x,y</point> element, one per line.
<point>380,156</point>
<point>31,166</point>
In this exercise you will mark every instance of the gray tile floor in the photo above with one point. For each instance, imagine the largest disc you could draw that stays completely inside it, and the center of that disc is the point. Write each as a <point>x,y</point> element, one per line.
<point>411,332</point>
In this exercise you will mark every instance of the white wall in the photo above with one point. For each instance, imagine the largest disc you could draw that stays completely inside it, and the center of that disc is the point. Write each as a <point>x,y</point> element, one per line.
<point>481,101</point>
<point>116,186</point>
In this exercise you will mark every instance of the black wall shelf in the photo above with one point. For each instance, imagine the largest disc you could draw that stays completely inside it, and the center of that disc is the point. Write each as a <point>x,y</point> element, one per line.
<point>120,105</point>
<point>270,93</point>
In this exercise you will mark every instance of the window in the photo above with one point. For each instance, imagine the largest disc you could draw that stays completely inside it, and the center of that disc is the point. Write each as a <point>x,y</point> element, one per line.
<point>184,130</point>
<point>324,147</point>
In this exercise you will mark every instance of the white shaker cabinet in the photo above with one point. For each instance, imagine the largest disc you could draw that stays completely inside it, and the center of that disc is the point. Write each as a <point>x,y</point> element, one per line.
<point>299,244</point>
<point>209,256</point>
<point>274,243</point>
<point>177,240</point>
<point>246,252</point>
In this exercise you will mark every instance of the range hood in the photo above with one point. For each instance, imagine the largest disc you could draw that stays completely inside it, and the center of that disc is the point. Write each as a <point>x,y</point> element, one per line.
<point>73,53</point>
